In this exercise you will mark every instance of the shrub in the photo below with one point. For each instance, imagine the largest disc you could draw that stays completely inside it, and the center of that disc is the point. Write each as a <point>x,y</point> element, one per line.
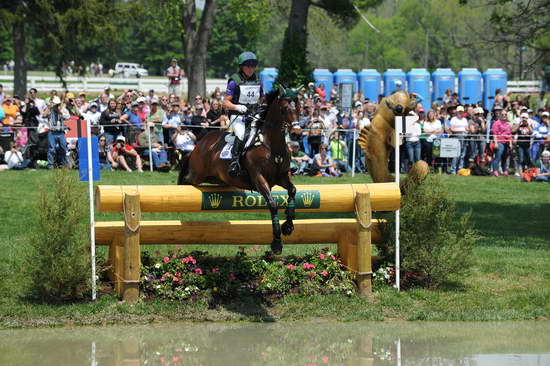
<point>58,263</point>
<point>435,242</point>
<point>181,275</point>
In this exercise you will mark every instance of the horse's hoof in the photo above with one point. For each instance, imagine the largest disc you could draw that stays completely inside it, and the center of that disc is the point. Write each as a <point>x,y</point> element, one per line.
<point>287,228</point>
<point>277,246</point>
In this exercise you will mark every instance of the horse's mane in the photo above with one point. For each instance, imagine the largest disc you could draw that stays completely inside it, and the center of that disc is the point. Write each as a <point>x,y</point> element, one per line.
<point>271,96</point>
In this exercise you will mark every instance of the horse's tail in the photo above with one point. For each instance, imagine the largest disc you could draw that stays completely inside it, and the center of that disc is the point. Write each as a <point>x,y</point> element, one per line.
<point>184,168</point>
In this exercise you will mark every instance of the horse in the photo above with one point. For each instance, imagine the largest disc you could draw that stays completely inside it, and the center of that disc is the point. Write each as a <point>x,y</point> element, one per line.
<point>265,165</point>
<point>378,139</point>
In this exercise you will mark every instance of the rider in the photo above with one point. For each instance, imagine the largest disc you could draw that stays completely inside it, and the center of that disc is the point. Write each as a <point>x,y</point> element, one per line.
<point>243,93</point>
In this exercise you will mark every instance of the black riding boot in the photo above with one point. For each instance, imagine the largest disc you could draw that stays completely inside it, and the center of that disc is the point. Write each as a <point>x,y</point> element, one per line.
<point>234,166</point>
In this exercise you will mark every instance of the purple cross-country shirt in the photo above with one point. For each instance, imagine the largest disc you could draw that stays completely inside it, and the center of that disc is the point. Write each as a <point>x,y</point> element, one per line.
<point>232,85</point>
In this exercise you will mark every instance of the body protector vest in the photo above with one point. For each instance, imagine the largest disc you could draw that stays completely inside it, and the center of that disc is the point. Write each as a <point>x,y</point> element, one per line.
<point>247,91</point>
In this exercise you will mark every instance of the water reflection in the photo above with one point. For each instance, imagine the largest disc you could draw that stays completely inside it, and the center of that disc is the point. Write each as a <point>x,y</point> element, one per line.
<point>365,344</point>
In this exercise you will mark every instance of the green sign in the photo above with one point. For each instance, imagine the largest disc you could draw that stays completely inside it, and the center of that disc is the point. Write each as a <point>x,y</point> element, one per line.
<point>251,200</point>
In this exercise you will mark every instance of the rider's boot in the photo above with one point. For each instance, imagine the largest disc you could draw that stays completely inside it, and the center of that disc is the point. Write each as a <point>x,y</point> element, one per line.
<point>234,166</point>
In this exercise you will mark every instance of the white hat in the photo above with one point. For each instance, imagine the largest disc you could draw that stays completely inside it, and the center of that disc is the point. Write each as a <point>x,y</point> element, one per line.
<point>546,114</point>
<point>56,100</point>
<point>141,99</point>
<point>94,104</point>
<point>398,83</point>
<point>460,108</point>
<point>121,138</point>
<point>358,104</point>
<point>478,110</point>
<point>107,87</point>
<point>524,115</point>
<point>545,154</point>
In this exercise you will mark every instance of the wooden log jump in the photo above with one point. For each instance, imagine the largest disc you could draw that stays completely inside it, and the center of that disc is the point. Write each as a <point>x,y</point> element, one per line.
<point>353,236</point>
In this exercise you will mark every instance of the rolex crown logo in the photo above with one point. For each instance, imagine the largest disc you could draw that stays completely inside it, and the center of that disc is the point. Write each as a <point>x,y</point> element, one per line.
<point>307,199</point>
<point>215,200</point>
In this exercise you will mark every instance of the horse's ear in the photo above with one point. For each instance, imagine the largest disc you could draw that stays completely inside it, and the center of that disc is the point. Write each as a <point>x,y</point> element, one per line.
<point>281,89</point>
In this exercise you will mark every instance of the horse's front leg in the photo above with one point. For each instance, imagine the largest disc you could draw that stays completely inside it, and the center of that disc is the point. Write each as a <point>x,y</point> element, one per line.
<point>288,225</point>
<point>277,243</point>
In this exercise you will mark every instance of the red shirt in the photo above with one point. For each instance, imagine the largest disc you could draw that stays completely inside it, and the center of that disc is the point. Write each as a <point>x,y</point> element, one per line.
<point>126,147</point>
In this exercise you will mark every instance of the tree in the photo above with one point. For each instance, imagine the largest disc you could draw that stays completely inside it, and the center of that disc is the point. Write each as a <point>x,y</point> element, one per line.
<point>295,68</point>
<point>195,42</point>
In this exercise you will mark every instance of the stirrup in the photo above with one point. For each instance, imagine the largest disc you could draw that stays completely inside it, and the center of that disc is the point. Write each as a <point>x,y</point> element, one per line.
<point>234,168</point>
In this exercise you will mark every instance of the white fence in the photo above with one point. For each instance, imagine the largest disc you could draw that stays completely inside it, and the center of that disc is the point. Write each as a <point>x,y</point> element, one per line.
<point>160,85</point>
<point>91,84</point>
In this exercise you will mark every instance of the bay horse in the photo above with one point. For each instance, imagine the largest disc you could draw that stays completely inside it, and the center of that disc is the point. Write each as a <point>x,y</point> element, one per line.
<point>265,165</point>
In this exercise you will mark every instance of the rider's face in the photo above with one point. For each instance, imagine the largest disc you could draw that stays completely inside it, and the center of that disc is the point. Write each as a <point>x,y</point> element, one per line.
<point>248,70</point>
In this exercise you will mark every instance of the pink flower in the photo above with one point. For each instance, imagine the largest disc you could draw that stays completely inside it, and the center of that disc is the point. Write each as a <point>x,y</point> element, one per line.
<point>167,274</point>
<point>292,267</point>
<point>175,358</point>
<point>175,279</point>
<point>256,249</point>
<point>215,270</point>
<point>321,256</point>
<point>178,274</point>
<point>166,259</point>
<point>198,271</point>
<point>178,247</point>
<point>189,259</point>
<point>162,279</point>
<point>311,274</point>
<point>308,266</point>
<point>333,257</point>
<point>325,359</point>
<point>325,249</point>
<point>232,276</point>
<point>174,255</point>
<point>324,273</point>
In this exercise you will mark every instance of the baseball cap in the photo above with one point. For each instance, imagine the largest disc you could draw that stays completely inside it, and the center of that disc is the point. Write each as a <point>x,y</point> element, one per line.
<point>56,100</point>
<point>310,85</point>
<point>70,95</point>
<point>420,110</point>
<point>93,105</point>
<point>141,100</point>
<point>155,100</point>
<point>174,60</point>
<point>524,115</point>
<point>545,154</point>
<point>478,110</point>
<point>358,104</point>
<point>121,138</point>
<point>175,103</point>
<point>135,104</point>
<point>107,87</point>
<point>294,144</point>
<point>460,108</point>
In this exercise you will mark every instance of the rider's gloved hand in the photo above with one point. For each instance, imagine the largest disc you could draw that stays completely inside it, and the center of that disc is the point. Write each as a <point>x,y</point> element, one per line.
<point>241,109</point>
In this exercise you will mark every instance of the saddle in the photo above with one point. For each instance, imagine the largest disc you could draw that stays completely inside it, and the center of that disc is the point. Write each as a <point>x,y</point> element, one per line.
<point>255,140</point>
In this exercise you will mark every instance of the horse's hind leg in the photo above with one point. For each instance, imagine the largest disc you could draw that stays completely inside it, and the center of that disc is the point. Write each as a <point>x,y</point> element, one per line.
<point>264,189</point>
<point>288,226</point>
<point>184,168</point>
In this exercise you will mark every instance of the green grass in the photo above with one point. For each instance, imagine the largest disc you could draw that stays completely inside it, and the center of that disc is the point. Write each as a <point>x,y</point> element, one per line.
<point>509,280</point>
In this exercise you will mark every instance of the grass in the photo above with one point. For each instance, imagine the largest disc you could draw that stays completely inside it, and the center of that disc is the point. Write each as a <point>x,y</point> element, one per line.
<point>508,282</point>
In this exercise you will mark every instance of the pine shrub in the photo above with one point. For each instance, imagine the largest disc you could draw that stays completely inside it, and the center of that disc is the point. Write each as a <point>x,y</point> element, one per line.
<point>58,263</point>
<point>436,242</point>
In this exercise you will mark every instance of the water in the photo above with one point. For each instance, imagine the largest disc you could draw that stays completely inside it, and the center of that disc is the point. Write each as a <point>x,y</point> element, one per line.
<point>321,343</point>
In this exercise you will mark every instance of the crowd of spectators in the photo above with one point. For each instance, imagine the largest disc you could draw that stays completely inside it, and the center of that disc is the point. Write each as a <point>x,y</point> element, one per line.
<point>135,128</point>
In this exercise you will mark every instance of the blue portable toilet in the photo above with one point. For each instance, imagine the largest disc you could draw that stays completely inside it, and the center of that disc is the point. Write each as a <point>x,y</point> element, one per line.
<point>493,79</point>
<point>370,84</point>
<point>323,76</point>
<point>346,76</point>
<point>419,82</point>
<point>392,77</point>
<point>267,77</point>
<point>469,86</point>
<point>442,79</point>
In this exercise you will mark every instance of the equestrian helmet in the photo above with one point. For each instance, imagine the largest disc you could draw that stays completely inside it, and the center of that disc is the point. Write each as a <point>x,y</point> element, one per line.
<point>248,59</point>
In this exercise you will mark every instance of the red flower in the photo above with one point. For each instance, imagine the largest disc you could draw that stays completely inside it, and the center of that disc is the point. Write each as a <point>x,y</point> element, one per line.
<point>321,256</point>
<point>324,273</point>
<point>325,359</point>
<point>198,271</point>
<point>174,255</point>
<point>189,259</point>
<point>157,252</point>
<point>308,266</point>
<point>166,259</point>
<point>333,257</point>
<point>325,249</point>
<point>215,270</point>
<point>175,279</point>
<point>178,247</point>
<point>292,267</point>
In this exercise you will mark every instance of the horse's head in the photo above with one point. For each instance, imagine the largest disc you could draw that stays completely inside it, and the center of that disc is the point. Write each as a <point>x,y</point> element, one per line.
<point>400,103</point>
<point>283,106</point>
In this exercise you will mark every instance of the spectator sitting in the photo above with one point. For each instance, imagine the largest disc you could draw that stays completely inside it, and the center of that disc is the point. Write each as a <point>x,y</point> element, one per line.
<point>184,140</point>
<point>543,174</point>
<point>172,121</point>
<point>324,163</point>
<point>158,153</point>
<point>120,150</point>
<point>156,115</point>
<point>215,116</point>
<point>110,122</point>
<point>105,158</point>
<point>14,158</point>
<point>298,159</point>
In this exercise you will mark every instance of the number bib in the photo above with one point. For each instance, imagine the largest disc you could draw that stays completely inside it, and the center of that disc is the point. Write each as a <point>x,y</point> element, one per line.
<point>250,94</point>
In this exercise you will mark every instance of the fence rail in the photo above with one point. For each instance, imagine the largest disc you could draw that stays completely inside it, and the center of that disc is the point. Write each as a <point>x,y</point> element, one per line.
<point>160,85</point>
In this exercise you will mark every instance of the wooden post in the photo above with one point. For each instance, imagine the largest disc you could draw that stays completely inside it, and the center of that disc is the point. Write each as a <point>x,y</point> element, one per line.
<point>118,264</point>
<point>364,220</point>
<point>132,260</point>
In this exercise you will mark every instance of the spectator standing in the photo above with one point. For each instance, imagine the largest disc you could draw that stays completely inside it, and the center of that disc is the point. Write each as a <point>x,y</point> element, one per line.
<point>477,128</point>
<point>215,116</point>
<point>174,74</point>
<point>92,116</point>
<point>103,102</point>
<point>172,120</point>
<point>458,129</point>
<point>184,140</point>
<point>541,134</point>
<point>412,141</point>
<point>57,144</point>
<point>199,123</point>
<point>315,133</point>
<point>156,116</point>
<point>151,96</point>
<point>522,138</point>
<point>321,92</point>
<point>2,95</point>
<point>110,122</point>
<point>431,128</point>
<point>133,118</point>
<point>11,110</point>
<point>339,152</point>
<point>502,139</point>
<point>38,102</point>
<point>31,115</point>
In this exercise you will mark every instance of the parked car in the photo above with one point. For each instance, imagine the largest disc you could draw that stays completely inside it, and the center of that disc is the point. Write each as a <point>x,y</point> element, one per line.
<point>127,69</point>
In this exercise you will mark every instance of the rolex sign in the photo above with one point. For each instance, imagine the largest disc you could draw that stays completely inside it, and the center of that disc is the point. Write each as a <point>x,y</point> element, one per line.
<point>238,200</point>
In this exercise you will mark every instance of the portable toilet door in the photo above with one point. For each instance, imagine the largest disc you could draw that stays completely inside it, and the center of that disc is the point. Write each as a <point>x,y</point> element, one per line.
<point>419,83</point>
<point>442,79</point>
<point>370,84</point>
<point>493,79</point>
<point>267,77</point>
<point>469,86</point>
<point>393,79</point>
<point>323,76</point>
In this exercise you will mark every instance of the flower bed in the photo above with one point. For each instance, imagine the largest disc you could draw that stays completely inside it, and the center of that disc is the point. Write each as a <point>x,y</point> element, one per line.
<point>181,275</point>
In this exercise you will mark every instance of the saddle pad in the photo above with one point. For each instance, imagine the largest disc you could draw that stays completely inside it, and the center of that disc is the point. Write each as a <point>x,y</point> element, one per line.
<point>226,151</point>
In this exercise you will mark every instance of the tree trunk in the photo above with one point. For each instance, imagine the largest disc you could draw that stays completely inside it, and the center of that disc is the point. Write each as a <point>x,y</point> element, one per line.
<point>20,68</point>
<point>294,68</point>
<point>195,41</point>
